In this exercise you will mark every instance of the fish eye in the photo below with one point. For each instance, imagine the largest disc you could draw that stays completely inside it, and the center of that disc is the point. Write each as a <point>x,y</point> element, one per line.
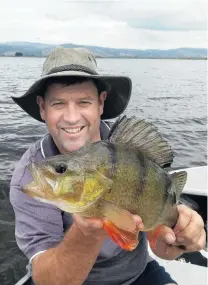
<point>60,168</point>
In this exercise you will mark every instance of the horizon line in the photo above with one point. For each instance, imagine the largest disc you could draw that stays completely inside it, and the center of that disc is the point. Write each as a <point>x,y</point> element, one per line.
<point>91,45</point>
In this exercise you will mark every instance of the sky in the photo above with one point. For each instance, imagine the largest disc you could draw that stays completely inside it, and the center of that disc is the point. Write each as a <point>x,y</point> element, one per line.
<point>137,24</point>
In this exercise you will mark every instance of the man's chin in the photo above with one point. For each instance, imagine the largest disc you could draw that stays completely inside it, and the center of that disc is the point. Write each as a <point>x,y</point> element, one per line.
<point>74,146</point>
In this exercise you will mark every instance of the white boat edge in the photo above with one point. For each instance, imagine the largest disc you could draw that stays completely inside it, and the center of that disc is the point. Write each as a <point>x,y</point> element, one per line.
<point>197,183</point>
<point>187,273</point>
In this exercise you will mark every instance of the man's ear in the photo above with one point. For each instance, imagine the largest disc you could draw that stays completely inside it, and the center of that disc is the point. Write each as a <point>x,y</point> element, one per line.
<point>41,103</point>
<point>102,98</point>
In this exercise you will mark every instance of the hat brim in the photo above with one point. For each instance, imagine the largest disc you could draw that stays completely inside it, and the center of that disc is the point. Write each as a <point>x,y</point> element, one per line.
<point>116,102</point>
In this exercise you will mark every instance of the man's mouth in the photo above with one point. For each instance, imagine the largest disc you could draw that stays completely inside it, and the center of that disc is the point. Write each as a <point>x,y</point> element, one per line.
<point>73,130</point>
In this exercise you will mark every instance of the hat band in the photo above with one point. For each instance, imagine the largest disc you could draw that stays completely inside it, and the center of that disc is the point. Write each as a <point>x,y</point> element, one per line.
<point>72,67</point>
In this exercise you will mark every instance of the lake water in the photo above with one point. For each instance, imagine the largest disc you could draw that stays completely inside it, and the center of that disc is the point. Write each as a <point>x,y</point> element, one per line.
<point>169,93</point>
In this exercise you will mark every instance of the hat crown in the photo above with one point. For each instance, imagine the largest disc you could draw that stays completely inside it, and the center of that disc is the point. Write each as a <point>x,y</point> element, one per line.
<point>61,57</point>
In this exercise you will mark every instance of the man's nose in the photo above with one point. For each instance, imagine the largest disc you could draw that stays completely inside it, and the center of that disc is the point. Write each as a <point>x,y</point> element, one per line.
<point>72,114</point>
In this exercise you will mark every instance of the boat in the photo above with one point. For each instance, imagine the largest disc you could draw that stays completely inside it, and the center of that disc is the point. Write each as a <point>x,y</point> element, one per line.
<point>189,268</point>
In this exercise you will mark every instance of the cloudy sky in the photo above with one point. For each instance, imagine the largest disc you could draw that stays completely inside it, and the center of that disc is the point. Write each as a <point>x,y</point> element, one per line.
<point>138,24</point>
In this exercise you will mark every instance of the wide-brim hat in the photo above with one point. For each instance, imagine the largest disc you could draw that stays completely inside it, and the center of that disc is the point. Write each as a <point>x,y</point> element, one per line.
<point>77,62</point>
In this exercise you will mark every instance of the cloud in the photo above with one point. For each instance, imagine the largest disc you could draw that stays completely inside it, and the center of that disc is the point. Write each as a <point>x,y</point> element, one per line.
<point>156,15</point>
<point>168,23</point>
<point>112,23</point>
<point>164,15</point>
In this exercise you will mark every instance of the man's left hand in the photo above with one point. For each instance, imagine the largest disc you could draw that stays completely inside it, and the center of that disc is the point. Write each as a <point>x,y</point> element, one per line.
<point>188,235</point>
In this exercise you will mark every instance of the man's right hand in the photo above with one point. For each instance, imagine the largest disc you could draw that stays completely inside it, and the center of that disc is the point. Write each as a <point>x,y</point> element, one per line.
<point>94,226</point>
<point>90,227</point>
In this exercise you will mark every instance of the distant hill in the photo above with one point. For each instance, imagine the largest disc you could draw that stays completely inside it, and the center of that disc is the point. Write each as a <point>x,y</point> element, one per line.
<point>42,50</point>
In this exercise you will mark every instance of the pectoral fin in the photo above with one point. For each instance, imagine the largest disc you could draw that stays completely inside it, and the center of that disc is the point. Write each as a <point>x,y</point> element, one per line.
<point>120,225</point>
<point>125,239</point>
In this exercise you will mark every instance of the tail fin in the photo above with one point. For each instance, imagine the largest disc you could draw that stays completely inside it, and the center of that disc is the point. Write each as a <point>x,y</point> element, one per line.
<point>179,181</point>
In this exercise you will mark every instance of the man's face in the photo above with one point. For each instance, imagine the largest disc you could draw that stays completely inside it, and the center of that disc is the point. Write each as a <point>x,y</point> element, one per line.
<point>72,114</point>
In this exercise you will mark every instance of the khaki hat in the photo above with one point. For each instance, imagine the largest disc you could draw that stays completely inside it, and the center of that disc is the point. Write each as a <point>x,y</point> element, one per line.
<point>77,62</point>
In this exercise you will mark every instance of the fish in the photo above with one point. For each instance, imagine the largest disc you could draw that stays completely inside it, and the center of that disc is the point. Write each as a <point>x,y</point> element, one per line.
<point>113,179</point>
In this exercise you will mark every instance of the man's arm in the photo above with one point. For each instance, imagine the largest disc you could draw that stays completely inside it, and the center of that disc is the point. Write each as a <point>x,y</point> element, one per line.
<point>71,261</point>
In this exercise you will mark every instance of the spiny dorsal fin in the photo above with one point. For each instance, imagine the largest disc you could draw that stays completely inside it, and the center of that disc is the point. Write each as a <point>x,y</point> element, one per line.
<point>141,135</point>
<point>179,181</point>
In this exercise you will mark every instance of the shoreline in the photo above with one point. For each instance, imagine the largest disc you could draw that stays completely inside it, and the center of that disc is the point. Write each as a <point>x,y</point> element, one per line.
<point>117,57</point>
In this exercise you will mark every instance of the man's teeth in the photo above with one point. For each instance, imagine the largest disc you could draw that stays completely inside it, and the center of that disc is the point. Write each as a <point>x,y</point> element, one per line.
<point>73,131</point>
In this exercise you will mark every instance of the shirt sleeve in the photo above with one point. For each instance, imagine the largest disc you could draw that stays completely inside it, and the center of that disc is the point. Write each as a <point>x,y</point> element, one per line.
<point>38,225</point>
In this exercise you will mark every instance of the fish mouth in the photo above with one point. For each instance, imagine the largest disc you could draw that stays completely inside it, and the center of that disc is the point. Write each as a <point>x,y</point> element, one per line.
<point>40,186</point>
<point>37,175</point>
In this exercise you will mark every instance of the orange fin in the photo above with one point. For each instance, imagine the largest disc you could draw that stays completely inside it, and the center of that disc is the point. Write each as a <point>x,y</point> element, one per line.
<point>154,235</point>
<point>125,239</point>
<point>118,216</point>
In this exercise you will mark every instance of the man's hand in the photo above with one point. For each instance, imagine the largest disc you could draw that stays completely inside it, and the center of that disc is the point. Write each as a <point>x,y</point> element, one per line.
<point>94,226</point>
<point>188,235</point>
<point>90,227</point>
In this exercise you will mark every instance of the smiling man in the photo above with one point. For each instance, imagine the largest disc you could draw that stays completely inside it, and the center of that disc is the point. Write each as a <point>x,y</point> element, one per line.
<point>74,100</point>
<point>72,109</point>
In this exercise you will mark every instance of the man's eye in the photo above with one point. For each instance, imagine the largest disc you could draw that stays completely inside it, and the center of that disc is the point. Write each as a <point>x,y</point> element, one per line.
<point>57,103</point>
<point>85,102</point>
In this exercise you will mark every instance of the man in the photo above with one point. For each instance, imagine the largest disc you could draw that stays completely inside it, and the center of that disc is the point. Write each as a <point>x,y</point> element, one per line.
<point>73,100</point>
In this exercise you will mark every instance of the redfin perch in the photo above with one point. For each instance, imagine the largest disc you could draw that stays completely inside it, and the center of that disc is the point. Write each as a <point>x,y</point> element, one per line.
<point>111,179</point>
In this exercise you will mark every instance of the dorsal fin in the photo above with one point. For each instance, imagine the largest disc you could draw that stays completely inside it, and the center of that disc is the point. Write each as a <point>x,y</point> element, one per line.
<point>141,135</point>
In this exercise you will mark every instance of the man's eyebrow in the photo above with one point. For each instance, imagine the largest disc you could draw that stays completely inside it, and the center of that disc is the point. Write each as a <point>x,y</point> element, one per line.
<point>86,98</point>
<point>54,99</point>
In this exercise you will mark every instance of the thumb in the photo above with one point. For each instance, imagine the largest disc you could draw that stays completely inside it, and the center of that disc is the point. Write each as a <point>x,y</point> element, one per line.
<point>162,233</point>
<point>167,234</point>
<point>165,246</point>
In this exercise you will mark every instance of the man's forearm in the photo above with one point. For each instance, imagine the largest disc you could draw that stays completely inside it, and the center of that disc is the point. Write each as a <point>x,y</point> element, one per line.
<point>70,262</point>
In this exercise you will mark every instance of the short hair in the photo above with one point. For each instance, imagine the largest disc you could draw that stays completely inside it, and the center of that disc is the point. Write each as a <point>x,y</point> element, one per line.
<point>70,80</point>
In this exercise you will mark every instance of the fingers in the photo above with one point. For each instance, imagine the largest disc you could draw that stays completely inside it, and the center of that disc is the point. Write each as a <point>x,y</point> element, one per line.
<point>167,234</point>
<point>161,242</point>
<point>194,244</point>
<point>189,229</point>
<point>185,216</point>
<point>88,223</point>
<point>173,251</point>
<point>199,243</point>
<point>138,221</point>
